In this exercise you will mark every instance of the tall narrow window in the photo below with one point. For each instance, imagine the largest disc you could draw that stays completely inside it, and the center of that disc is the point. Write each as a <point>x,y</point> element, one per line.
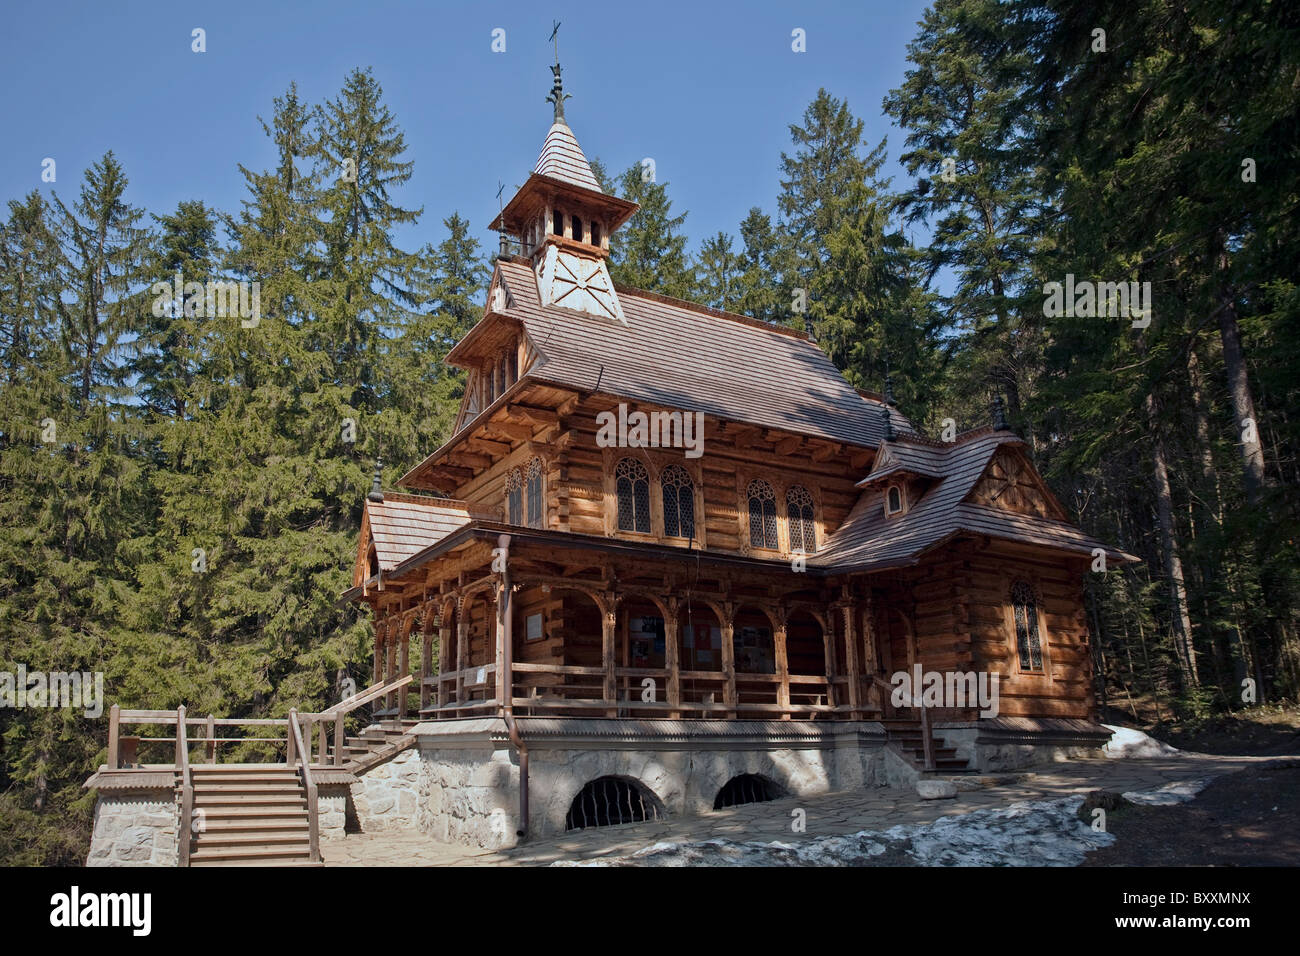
<point>799,514</point>
<point>557,223</point>
<point>1028,641</point>
<point>595,233</point>
<point>512,366</point>
<point>515,496</point>
<point>536,516</point>
<point>632,482</point>
<point>679,502</point>
<point>762,515</point>
<point>577,228</point>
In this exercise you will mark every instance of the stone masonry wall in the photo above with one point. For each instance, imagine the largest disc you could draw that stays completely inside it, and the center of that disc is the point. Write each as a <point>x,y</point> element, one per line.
<point>134,828</point>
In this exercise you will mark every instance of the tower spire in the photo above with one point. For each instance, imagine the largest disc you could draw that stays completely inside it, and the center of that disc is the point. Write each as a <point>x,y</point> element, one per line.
<point>558,96</point>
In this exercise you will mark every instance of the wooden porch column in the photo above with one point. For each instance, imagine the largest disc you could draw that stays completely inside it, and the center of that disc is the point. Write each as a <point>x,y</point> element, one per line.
<point>390,659</point>
<point>404,662</point>
<point>504,679</point>
<point>848,612</point>
<point>376,671</point>
<point>444,641</point>
<point>426,652</point>
<point>828,647</point>
<point>871,661</point>
<point>782,663</point>
<point>671,659</point>
<point>462,636</point>
<point>608,652</point>
<point>728,629</point>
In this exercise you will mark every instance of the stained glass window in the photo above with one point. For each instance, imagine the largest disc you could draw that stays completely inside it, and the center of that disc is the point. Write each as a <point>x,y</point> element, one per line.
<point>515,497</point>
<point>632,482</point>
<point>1028,643</point>
<point>799,513</point>
<point>536,516</point>
<point>679,502</point>
<point>762,515</point>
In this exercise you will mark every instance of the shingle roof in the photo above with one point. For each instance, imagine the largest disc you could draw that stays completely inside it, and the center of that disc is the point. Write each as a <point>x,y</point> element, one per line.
<point>562,159</point>
<point>684,357</point>
<point>868,539</point>
<point>402,526</point>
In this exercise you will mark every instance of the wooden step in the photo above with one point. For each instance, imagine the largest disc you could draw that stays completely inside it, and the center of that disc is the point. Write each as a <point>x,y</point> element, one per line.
<point>252,800</point>
<point>242,811</point>
<point>252,854</point>
<point>256,824</point>
<point>207,840</point>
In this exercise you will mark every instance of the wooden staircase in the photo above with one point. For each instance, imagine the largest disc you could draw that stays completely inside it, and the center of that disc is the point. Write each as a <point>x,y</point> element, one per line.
<point>250,815</point>
<point>379,742</point>
<point>907,739</point>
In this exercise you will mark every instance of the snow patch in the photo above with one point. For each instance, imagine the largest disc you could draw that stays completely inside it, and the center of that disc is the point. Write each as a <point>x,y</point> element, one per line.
<point>1028,833</point>
<point>1127,743</point>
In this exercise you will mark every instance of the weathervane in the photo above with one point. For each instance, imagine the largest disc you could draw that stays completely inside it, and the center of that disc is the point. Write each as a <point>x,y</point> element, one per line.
<point>558,96</point>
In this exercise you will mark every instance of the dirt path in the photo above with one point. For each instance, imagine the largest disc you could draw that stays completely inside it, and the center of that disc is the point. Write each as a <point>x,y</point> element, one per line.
<point>1247,818</point>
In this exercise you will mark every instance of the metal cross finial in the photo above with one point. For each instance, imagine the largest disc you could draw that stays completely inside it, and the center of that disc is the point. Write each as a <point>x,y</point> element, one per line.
<point>558,96</point>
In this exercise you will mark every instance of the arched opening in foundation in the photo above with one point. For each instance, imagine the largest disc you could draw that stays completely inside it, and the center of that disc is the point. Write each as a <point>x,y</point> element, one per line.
<point>611,801</point>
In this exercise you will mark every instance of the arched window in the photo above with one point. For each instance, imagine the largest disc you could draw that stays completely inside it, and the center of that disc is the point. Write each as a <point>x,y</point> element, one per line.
<point>799,513</point>
<point>515,497</point>
<point>632,482</point>
<point>762,515</point>
<point>1029,643</point>
<point>595,233</point>
<point>536,516</point>
<point>577,228</point>
<point>893,500</point>
<point>679,502</point>
<point>557,223</point>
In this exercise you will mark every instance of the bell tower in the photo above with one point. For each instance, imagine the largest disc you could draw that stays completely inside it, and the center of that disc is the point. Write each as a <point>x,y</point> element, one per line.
<point>562,220</point>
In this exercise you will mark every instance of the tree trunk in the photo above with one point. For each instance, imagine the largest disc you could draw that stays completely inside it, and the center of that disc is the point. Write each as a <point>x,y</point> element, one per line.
<point>1169,549</point>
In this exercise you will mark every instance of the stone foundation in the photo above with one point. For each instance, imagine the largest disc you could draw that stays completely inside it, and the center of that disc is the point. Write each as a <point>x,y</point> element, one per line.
<point>134,828</point>
<point>469,789</point>
<point>1018,743</point>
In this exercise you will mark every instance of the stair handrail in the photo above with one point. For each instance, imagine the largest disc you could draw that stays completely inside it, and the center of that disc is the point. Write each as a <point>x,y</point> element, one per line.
<point>303,757</point>
<point>365,696</point>
<point>184,829</point>
<point>927,738</point>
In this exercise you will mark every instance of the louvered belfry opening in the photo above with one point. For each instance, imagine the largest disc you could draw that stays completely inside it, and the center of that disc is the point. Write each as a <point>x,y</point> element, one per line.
<point>609,801</point>
<point>746,788</point>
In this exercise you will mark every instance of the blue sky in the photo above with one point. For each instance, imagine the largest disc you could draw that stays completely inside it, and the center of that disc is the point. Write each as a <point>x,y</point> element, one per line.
<point>708,91</point>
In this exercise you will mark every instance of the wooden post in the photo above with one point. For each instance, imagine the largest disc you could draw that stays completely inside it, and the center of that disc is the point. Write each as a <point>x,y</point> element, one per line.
<point>426,653</point>
<point>849,612</point>
<point>462,637</point>
<point>404,664</point>
<point>608,654</point>
<point>338,739</point>
<point>180,734</point>
<point>728,628</point>
<point>828,646</point>
<point>504,688</point>
<point>782,665</point>
<point>376,671</point>
<point>444,641</point>
<point>672,659</point>
<point>212,739</point>
<point>322,747</point>
<point>290,748</point>
<point>390,663</point>
<point>114,731</point>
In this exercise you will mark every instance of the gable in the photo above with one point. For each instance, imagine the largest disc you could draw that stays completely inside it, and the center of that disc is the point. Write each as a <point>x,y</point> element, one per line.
<point>1011,483</point>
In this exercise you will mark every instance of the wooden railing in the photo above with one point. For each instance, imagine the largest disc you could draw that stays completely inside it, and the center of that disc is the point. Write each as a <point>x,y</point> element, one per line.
<point>123,750</point>
<point>185,827</point>
<point>304,765</point>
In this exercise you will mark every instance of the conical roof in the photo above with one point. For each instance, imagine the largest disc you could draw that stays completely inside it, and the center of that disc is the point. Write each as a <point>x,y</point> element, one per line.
<point>562,159</point>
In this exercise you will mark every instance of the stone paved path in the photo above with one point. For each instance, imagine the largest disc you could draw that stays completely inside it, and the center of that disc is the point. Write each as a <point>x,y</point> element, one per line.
<point>828,815</point>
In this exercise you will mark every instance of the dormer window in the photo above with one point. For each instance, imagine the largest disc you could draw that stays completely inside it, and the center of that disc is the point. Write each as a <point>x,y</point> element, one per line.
<point>894,501</point>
